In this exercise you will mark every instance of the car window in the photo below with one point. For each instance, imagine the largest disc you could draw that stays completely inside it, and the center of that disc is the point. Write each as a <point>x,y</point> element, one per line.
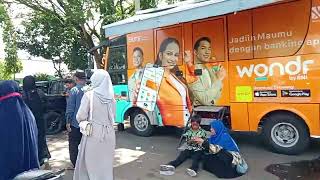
<point>57,87</point>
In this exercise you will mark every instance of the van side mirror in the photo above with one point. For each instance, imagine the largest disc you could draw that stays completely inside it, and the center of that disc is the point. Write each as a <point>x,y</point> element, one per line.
<point>123,93</point>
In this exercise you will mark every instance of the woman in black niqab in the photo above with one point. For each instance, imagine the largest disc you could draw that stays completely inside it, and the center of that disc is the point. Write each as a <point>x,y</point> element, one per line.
<point>36,101</point>
<point>18,133</point>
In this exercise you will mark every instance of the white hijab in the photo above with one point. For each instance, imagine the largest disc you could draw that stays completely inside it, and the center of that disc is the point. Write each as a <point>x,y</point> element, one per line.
<point>102,85</point>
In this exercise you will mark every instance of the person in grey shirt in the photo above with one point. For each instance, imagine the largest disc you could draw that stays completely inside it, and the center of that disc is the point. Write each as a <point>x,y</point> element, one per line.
<point>73,104</point>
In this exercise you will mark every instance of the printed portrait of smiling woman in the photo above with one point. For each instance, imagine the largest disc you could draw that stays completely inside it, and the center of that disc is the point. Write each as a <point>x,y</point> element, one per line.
<point>173,99</point>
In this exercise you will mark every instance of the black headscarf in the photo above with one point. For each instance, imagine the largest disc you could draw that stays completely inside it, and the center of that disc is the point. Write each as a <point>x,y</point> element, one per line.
<point>32,97</point>
<point>29,83</point>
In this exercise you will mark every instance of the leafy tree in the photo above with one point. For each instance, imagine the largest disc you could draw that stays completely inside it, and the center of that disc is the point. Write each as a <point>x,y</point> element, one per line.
<point>146,4</point>
<point>12,64</point>
<point>45,36</point>
<point>3,74</point>
<point>65,30</point>
<point>172,1</point>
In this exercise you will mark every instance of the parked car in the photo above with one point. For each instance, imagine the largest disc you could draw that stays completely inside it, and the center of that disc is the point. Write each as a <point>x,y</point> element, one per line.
<point>55,105</point>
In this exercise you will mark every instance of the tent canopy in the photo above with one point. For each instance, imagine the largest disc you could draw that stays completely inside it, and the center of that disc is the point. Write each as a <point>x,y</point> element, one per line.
<point>183,12</point>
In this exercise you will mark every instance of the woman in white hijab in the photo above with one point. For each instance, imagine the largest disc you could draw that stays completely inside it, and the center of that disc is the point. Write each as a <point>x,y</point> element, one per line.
<point>96,152</point>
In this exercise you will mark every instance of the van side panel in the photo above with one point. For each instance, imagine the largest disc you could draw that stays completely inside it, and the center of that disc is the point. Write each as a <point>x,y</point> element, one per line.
<point>308,112</point>
<point>121,103</point>
<point>239,116</point>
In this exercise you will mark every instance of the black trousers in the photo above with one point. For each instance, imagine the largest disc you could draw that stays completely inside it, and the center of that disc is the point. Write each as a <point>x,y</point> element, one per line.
<point>74,141</point>
<point>220,164</point>
<point>43,151</point>
<point>184,155</point>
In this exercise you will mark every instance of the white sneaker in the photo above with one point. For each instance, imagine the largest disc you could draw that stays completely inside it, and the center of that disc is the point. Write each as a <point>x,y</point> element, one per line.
<point>191,172</point>
<point>167,173</point>
<point>167,168</point>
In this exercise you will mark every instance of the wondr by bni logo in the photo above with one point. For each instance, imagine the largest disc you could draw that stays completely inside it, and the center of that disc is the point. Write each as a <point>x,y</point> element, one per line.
<point>293,67</point>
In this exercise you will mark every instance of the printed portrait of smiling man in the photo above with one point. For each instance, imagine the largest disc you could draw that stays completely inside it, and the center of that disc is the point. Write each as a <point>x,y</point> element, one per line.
<point>206,87</point>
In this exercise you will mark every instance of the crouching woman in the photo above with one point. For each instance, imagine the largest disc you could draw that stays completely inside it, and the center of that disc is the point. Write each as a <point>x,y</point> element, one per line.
<point>222,157</point>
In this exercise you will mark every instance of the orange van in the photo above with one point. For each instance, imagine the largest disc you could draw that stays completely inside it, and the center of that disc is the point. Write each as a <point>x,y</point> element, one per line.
<point>260,60</point>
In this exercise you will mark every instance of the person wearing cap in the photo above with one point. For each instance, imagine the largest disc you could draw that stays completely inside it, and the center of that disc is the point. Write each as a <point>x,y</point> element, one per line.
<point>73,105</point>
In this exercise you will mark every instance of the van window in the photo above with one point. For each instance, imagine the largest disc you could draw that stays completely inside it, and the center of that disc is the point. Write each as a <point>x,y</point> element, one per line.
<point>117,63</point>
<point>117,58</point>
<point>118,78</point>
<point>279,30</point>
<point>240,40</point>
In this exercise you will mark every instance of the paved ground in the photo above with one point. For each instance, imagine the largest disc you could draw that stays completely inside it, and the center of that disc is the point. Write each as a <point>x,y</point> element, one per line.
<point>138,158</point>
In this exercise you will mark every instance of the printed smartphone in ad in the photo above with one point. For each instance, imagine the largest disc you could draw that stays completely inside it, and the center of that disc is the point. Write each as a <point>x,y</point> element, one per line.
<point>150,83</point>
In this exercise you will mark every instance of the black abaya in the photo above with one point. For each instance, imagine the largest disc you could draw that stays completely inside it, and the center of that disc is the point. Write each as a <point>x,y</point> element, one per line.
<point>35,99</point>
<point>219,164</point>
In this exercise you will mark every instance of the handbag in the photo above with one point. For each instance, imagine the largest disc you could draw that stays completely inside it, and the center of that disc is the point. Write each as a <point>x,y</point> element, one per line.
<point>37,174</point>
<point>86,126</point>
<point>242,167</point>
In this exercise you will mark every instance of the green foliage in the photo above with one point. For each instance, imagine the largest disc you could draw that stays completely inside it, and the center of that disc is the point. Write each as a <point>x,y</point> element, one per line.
<point>65,30</point>
<point>12,64</point>
<point>78,57</point>
<point>3,74</point>
<point>3,12</point>
<point>43,77</point>
<point>146,4</point>
<point>61,43</point>
<point>173,1</point>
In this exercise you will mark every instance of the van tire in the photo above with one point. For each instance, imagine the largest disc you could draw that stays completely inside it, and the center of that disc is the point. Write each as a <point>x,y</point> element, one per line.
<point>140,123</point>
<point>120,127</point>
<point>286,133</point>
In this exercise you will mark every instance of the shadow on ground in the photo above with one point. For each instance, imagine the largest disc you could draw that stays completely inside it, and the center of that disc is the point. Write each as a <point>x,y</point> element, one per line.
<point>139,158</point>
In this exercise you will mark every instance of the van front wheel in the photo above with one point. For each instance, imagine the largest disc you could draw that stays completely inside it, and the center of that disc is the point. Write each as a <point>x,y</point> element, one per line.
<point>120,127</point>
<point>141,123</point>
<point>285,133</point>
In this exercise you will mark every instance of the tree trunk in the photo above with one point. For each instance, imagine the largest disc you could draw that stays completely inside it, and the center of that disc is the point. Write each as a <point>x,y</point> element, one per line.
<point>89,44</point>
<point>98,59</point>
<point>58,70</point>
